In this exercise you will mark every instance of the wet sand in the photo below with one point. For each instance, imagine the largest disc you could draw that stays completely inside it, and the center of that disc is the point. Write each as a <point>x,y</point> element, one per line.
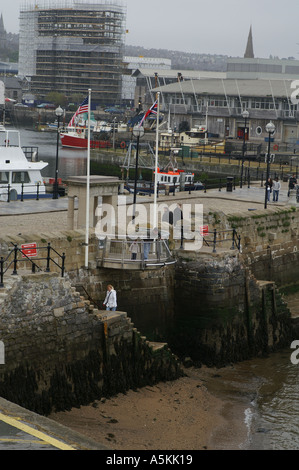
<point>178,415</point>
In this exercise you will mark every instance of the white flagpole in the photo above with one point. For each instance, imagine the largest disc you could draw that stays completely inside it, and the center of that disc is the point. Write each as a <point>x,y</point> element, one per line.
<point>87,185</point>
<point>156,160</point>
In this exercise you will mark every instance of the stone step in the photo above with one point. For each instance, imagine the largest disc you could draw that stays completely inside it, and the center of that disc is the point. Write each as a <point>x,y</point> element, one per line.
<point>156,346</point>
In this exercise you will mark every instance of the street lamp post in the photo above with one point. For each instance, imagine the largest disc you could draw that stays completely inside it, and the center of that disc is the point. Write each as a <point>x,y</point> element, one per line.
<point>138,132</point>
<point>245,115</point>
<point>114,120</point>
<point>270,129</point>
<point>59,113</point>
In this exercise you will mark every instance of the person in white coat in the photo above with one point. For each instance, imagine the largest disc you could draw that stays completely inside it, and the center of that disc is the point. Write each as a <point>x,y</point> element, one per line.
<point>276,189</point>
<point>110,300</point>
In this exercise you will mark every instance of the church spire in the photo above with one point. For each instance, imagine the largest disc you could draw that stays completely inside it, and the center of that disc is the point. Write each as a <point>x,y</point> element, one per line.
<point>249,48</point>
<point>2,33</point>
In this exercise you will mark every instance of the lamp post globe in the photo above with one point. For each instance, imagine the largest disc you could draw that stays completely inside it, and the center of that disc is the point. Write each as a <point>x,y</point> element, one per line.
<point>270,128</point>
<point>245,114</point>
<point>59,112</point>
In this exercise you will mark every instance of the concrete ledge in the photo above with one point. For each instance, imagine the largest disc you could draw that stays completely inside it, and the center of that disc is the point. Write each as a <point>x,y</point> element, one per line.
<point>50,429</point>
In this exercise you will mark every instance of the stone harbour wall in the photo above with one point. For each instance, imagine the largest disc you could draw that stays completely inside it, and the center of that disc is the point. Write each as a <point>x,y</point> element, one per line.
<point>147,295</point>
<point>61,352</point>
<point>223,314</point>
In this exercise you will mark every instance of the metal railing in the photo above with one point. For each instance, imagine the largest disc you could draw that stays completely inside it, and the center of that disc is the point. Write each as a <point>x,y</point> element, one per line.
<point>219,237</point>
<point>144,252</point>
<point>13,195</point>
<point>18,255</point>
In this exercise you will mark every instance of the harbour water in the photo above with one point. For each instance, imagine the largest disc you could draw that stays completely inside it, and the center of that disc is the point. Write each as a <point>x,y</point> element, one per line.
<point>71,162</point>
<point>264,394</point>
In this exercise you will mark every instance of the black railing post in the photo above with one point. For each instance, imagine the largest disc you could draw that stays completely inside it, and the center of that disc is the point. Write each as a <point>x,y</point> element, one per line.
<point>48,257</point>
<point>8,193</point>
<point>1,271</point>
<point>37,191</point>
<point>214,241</point>
<point>62,264</point>
<point>15,259</point>
<point>22,193</point>
<point>233,239</point>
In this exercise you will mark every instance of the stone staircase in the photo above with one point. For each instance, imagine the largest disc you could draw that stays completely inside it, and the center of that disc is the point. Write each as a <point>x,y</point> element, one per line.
<point>116,320</point>
<point>9,283</point>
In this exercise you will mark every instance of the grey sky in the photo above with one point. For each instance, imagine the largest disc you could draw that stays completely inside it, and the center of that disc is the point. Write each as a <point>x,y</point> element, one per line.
<point>213,27</point>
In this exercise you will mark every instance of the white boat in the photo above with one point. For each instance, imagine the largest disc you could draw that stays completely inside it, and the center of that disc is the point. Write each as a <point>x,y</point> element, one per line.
<point>20,175</point>
<point>170,178</point>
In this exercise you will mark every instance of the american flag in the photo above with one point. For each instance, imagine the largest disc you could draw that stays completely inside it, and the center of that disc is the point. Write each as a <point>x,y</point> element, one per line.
<point>151,110</point>
<point>83,108</point>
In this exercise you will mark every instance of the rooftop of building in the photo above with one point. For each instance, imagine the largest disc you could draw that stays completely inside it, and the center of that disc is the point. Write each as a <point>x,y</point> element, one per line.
<point>231,87</point>
<point>173,74</point>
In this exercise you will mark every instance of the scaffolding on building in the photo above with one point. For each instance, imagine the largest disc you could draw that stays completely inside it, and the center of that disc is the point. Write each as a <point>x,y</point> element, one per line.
<point>72,46</point>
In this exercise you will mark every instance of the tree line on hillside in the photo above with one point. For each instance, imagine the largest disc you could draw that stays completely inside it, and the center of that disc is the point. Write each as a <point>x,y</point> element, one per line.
<point>181,60</point>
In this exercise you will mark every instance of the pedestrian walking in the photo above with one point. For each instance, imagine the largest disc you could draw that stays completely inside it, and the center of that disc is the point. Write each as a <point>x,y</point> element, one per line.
<point>110,300</point>
<point>276,189</point>
<point>177,214</point>
<point>292,183</point>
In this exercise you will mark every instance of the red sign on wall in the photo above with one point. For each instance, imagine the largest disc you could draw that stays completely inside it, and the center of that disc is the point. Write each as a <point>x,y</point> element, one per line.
<point>204,230</point>
<point>29,250</point>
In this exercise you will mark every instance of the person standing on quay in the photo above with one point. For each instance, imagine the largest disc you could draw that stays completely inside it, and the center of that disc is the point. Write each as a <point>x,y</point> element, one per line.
<point>269,185</point>
<point>110,299</point>
<point>134,248</point>
<point>276,189</point>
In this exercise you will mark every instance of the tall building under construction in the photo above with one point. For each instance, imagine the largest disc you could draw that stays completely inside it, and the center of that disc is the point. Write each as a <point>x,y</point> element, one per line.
<point>70,46</point>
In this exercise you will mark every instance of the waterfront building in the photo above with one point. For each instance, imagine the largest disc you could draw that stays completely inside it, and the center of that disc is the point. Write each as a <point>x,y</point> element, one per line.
<point>148,78</point>
<point>220,104</point>
<point>266,88</point>
<point>13,89</point>
<point>262,69</point>
<point>71,46</point>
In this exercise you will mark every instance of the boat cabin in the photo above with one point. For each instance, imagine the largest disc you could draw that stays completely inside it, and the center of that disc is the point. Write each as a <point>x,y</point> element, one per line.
<point>19,176</point>
<point>196,136</point>
<point>174,177</point>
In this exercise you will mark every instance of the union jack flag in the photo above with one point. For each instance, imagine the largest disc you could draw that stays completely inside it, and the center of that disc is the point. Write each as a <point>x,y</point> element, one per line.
<point>83,108</point>
<point>152,110</point>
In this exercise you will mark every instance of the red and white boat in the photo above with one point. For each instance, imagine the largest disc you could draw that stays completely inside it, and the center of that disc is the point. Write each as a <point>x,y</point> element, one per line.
<point>77,138</point>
